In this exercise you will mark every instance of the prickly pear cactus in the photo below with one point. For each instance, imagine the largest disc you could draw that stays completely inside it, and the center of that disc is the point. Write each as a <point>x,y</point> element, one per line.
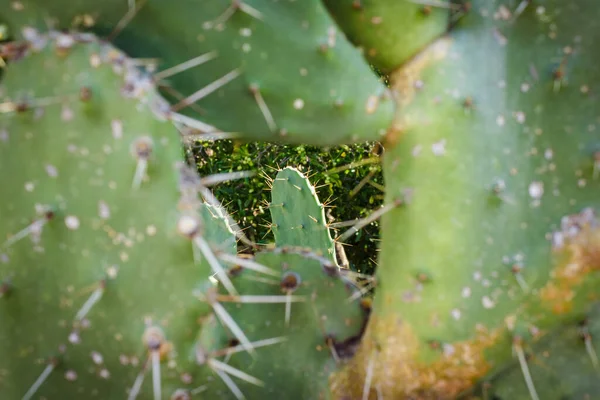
<point>486,285</point>
<point>282,68</point>
<point>297,214</point>
<point>497,138</point>
<point>117,280</point>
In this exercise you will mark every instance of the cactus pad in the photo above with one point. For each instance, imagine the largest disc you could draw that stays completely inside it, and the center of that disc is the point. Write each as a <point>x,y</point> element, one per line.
<point>272,70</point>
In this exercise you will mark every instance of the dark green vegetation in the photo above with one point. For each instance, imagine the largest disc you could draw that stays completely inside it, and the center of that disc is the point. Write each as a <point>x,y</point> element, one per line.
<point>347,178</point>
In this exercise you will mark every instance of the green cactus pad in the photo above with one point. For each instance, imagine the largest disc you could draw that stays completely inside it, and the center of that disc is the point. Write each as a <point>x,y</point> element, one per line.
<point>498,144</point>
<point>389,32</point>
<point>322,331</point>
<point>297,215</point>
<point>104,260</point>
<point>563,365</point>
<point>292,63</point>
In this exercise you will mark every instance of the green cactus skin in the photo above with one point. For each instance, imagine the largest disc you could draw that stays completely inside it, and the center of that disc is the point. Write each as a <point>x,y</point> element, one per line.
<point>107,278</point>
<point>498,142</point>
<point>557,364</point>
<point>309,77</point>
<point>297,215</point>
<point>389,32</point>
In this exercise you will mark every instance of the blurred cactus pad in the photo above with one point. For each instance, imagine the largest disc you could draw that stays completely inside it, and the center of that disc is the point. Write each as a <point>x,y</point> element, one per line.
<point>123,276</point>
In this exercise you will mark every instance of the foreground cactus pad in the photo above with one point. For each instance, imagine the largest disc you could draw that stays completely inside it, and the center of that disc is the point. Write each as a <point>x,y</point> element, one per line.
<point>497,139</point>
<point>282,68</point>
<point>116,278</point>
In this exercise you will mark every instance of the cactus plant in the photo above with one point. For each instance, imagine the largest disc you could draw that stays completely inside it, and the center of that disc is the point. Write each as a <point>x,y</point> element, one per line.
<point>111,249</point>
<point>250,51</point>
<point>486,278</point>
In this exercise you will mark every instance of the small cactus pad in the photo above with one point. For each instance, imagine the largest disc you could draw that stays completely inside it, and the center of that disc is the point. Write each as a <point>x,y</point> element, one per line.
<point>390,32</point>
<point>277,71</point>
<point>499,143</point>
<point>297,215</point>
<point>94,270</point>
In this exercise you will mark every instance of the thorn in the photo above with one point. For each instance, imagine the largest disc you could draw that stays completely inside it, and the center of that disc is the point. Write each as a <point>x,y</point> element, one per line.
<point>41,379</point>
<point>366,221</point>
<point>193,123</point>
<point>520,8</point>
<point>205,91</point>
<point>589,346</point>
<point>253,12</point>
<point>228,13</point>
<point>516,270</point>
<point>352,165</point>
<point>184,66</point>
<point>228,369</point>
<point>230,384</point>
<point>91,301</point>
<point>360,293</point>
<point>288,308</point>
<point>156,375</point>
<point>239,348</point>
<point>137,384</point>
<point>35,228</point>
<point>198,390</point>
<point>264,109</point>
<point>141,149</point>
<point>517,347</point>
<point>368,377</point>
<point>214,264</point>
<point>260,299</point>
<point>132,12</point>
<point>362,183</point>
<point>225,177</point>
<point>249,264</point>
<point>229,322</point>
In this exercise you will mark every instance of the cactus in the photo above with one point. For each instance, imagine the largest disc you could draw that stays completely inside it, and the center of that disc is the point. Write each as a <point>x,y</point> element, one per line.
<point>486,278</point>
<point>298,216</point>
<point>496,139</point>
<point>110,248</point>
<point>250,53</point>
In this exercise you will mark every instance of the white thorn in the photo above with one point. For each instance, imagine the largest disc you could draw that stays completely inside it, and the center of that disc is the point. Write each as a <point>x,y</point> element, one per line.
<point>367,220</point>
<point>34,227</point>
<point>208,89</point>
<point>137,385</point>
<point>90,302</point>
<point>194,62</point>
<point>526,373</point>
<point>233,326</point>
<point>225,177</point>
<point>156,374</point>
<point>39,381</point>
<point>259,343</point>
<point>140,171</point>
<point>228,369</point>
<point>368,378</point>
<point>288,309</point>
<point>264,109</point>
<point>230,384</point>
<point>253,12</point>
<point>261,299</point>
<point>249,264</point>
<point>214,264</point>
